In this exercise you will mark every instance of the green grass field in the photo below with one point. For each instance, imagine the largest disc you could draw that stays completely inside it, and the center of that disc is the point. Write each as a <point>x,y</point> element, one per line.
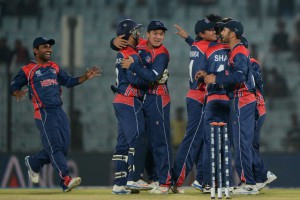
<point>105,193</point>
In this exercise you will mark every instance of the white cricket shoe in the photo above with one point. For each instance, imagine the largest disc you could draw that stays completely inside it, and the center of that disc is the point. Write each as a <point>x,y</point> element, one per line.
<point>120,190</point>
<point>142,182</point>
<point>33,176</point>
<point>154,184</point>
<point>246,189</point>
<point>230,189</point>
<point>71,183</point>
<point>137,185</point>
<point>197,185</point>
<point>159,190</point>
<point>206,189</point>
<point>270,178</point>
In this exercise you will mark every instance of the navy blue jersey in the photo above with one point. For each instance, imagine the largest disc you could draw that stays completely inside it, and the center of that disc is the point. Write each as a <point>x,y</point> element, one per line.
<point>44,84</point>
<point>197,63</point>
<point>155,61</point>
<point>238,79</point>
<point>128,83</point>
<point>216,61</point>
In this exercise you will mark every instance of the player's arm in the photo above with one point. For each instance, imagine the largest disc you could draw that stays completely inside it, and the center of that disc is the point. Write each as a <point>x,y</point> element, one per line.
<point>152,75</point>
<point>257,74</point>
<point>118,43</point>
<point>16,85</point>
<point>197,63</point>
<point>132,77</point>
<point>182,33</point>
<point>136,80</point>
<point>236,76</point>
<point>90,73</point>
<point>68,81</point>
<point>203,63</point>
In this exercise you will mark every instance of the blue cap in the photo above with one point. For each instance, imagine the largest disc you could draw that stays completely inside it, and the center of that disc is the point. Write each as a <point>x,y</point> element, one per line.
<point>125,27</point>
<point>234,26</point>
<point>41,41</point>
<point>244,41</point>
<point>156,25</point>
<point>203,25</point>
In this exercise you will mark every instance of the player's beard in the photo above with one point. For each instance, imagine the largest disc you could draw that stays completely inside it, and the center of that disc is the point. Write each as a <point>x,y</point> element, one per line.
<point>224,39</point>
<point>45,57</point>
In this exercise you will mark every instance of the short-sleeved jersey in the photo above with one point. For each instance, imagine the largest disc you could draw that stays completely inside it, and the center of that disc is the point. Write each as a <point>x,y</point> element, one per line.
<point>127,82</point>
<point>44,84</point>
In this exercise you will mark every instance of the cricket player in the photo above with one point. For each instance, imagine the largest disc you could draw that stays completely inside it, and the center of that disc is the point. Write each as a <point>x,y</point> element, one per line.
<point>217,102</point>
<point>191,147</point>
<point>261,175</point>
<point>156,104</point>
<point>44,79</point>
<point>128,104</point>
<point>240,86</point>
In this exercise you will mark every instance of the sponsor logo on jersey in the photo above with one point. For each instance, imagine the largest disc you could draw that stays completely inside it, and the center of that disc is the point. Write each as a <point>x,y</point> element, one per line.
<point>220,58</point>
<point>194,54</point>
<point>48,82</point>
<point>38,73</point>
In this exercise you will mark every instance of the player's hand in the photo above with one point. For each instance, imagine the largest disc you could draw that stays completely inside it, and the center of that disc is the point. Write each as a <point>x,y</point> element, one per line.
<point>94,71</point>
<point>20,95</point>
<point>119,42</point>
<point>126,62</point>
<point>200,74</point>
<point>181,32</point>
<point>209,79</point>
<point>164,78</point>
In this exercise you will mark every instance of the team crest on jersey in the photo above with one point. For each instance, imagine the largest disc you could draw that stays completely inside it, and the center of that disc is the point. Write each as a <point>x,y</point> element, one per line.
<point>194,54</point>
<point>38,73</point>
<point>148,59</point>
<point>53,71</point>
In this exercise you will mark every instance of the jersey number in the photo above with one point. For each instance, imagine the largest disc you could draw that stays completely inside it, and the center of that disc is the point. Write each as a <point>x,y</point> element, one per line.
<point>191,70</point>
<point>220,68</point>
<point>117,73</point>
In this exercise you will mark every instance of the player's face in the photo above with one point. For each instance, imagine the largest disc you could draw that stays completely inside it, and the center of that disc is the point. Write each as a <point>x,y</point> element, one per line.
<point>209,35</point>
<point>43,52</point>
<point>156,37</point>
<point>225,35</point>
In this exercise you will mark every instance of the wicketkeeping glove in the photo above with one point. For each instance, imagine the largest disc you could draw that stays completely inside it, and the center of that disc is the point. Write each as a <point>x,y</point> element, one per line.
<point>164,77</point>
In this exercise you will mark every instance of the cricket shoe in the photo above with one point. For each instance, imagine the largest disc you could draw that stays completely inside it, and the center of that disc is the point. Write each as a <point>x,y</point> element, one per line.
<point>136,185</point>
<point>33,176</point>
<point>230,189</point>
<point>197,185</point>
<point>270,178</point>
<point>134,191</point>
<point>206,189</point>
<point>120,190</point>
<point>177,190</point>
<point>154,184</point>
<point>246,189</point>
<point>159,190</point>
<point>71,183</point>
